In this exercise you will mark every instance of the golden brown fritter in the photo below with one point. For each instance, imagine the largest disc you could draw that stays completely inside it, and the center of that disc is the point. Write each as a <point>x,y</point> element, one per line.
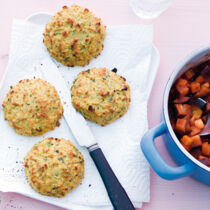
<point>32,107</point>
<point>54,167</point>
<point>100,95</point>
<point>74,36</point>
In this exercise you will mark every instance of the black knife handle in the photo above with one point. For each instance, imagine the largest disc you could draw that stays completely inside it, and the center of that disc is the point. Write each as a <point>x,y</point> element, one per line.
<point>116,192</point>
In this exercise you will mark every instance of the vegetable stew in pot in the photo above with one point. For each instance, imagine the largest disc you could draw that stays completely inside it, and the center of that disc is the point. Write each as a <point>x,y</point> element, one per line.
<point>187,119</point>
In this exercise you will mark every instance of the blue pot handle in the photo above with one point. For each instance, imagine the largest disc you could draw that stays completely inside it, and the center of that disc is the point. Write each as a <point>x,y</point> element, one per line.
<point>156,161</point>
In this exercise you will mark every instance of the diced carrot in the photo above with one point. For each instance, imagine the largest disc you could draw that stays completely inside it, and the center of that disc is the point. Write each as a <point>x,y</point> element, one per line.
<point>183,109</point>
<point>205,149</point>
<point>206,84</point>
<point>181,125</point>
<point>199,123</point>
<point>199,79</point>
<point>182,82</point>
<point>189,74</point>
<point>204,91</point>
<point>192,120</point>
<point>183,90</point>
<point>186,140</point>
<point>182,86</point>
<point>188,127</point>
<point>196,141</point>
<point>194,130</point>
<point>188,148</point>
<point>195,87</point>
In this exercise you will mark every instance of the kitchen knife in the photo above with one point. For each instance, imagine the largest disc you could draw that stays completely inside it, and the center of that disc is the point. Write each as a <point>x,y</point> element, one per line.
<point>84,136</point>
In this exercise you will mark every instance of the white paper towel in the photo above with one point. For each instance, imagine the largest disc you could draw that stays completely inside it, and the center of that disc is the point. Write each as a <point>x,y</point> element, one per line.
<point>127,48</point>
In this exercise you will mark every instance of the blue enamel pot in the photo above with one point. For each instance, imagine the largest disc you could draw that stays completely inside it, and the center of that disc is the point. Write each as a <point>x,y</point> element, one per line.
<point>187,164</point>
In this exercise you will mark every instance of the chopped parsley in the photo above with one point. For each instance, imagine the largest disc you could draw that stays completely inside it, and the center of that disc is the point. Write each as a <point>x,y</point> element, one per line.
<point>66,59</point>
<point>61,159</point>
<point>49,144</point>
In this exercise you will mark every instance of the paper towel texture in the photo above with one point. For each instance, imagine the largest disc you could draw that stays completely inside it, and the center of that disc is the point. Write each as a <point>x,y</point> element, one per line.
<point>127,48</point>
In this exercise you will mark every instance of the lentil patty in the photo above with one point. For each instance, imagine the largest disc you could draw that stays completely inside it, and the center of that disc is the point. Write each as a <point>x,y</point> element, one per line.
<point>54,167</point>
<point>74,36</point>
<point>32,107</point>
<point>100,95</point>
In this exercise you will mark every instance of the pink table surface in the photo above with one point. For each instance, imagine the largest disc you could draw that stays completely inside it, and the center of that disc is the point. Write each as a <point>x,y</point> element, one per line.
<point>181,29</point>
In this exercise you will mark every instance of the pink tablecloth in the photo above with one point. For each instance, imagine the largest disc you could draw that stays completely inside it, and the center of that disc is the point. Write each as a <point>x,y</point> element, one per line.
<point>182,28</point>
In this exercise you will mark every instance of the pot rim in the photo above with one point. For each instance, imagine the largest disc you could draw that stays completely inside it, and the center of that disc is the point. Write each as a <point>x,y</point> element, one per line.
<point>169,84</point>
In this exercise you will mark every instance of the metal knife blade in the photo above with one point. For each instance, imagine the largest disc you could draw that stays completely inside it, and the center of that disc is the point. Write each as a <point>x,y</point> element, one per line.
<point>75,120</point>
<point>84,136</point>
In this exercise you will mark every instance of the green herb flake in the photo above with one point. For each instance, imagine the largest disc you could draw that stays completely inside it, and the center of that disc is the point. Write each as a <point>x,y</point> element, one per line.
<point>88,71</point>
<point>66,59</point>
<point>74,81</point>
<point>61,159</point>
<point>110,98</point>
<point>49,144</point>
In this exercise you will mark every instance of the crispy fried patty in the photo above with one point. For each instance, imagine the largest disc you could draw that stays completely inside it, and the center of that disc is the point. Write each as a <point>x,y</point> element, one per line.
<point>74,36</point>
<point>100,95</point>
<point>54,167</point>
<point>32,107</point>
